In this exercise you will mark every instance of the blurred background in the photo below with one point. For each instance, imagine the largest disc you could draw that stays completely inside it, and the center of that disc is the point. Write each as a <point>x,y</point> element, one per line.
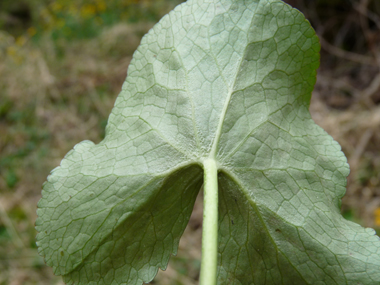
<point>62,64</point>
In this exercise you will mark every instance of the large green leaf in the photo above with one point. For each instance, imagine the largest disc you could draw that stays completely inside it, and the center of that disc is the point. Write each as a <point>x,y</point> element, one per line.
<point>226,80</point>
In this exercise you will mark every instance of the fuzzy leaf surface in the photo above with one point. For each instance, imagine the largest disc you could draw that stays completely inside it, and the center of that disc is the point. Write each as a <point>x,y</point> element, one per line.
<point>229,80</point>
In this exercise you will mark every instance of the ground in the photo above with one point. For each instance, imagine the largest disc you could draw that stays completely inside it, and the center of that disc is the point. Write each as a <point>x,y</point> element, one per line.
<point>58,84</point>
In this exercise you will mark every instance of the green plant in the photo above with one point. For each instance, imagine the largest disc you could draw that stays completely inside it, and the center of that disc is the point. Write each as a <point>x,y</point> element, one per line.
<point>83,19</point>
<point>217,94</point>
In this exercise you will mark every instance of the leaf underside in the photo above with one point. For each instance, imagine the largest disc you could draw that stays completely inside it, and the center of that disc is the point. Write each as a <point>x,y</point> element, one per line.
<point>229,80</point>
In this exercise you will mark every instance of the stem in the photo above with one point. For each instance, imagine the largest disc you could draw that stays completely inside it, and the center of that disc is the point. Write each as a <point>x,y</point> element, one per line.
<point>210,224</point>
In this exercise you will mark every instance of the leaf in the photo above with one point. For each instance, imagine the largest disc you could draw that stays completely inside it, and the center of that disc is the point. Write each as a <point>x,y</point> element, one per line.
<point>227,80</point>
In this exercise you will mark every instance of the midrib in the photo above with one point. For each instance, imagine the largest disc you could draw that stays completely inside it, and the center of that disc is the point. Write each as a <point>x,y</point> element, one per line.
<point>231,90</point>
<point>220,125</point>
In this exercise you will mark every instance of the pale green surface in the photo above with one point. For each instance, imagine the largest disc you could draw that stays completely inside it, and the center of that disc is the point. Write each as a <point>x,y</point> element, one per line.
<point>209,262</point>
<point>230,81</point>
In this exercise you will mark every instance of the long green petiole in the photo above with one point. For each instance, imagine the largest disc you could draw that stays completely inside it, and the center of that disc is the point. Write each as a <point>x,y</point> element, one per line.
<point>210,224</point>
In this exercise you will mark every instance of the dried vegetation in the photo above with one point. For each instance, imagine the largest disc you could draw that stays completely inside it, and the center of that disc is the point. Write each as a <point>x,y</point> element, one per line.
<point>57,91</point>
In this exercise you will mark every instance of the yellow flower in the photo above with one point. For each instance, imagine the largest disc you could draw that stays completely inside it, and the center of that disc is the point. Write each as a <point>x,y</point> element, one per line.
<point>31,31</point>
<point>11,51</point>
<point>101,6</point>
<point>377,217</point>
<point>21,40</point>
<point>88,10</point>
<point>14,54</point>
<point>56,7</point>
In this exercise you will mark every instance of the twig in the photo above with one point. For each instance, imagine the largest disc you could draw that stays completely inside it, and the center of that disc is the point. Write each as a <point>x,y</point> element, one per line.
<point>360,148</point>
<point>368,34</point>
<point>347,54</point>
<point>373,87</point>
<point>370,15</point>
<point>338,83</point>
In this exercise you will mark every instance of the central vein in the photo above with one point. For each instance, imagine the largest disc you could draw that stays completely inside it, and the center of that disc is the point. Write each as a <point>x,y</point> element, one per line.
<point>220,126</point>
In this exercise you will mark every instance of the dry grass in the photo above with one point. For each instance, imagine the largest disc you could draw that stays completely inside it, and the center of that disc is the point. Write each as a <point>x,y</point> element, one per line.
<point>55,94</point>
